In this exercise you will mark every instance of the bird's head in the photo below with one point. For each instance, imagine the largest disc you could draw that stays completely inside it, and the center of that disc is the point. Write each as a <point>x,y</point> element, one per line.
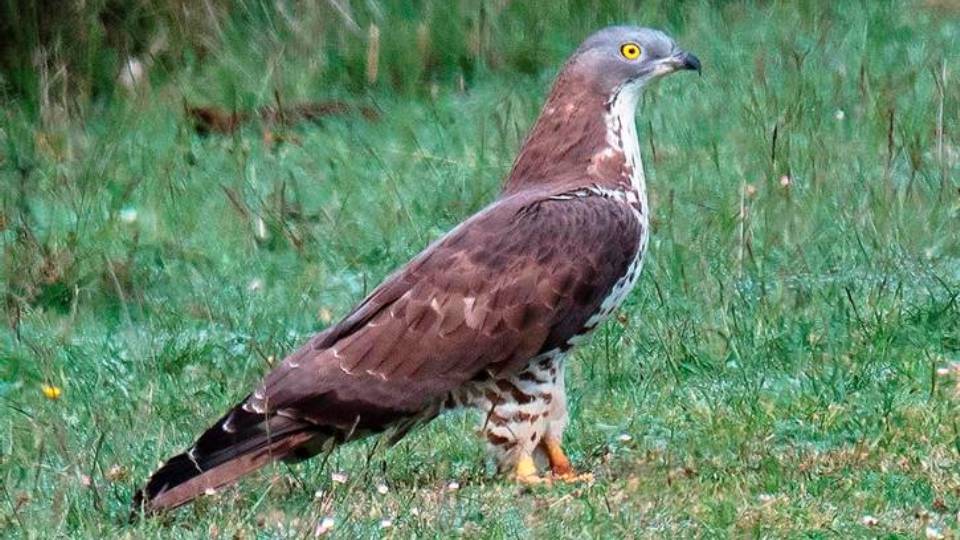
<point>627,57</point>
<point>570,140</point>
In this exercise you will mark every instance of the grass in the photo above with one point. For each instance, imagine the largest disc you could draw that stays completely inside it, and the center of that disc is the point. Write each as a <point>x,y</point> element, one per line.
<point>788,365</point>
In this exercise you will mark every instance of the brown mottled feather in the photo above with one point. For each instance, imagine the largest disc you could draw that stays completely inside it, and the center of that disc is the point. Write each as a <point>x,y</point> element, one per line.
<point>524,299</point>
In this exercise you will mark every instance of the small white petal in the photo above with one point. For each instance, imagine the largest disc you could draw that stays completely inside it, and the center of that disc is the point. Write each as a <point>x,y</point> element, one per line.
<point>453,486</point>
<point>869,521</point>
<point>623,437</point>
<point>324,526</point>
<point>128,215</point>
<point>339,478</point>
<point>382,489</point>
<point>260,229</point>
<point>131,73</point>
<point>386,523</point>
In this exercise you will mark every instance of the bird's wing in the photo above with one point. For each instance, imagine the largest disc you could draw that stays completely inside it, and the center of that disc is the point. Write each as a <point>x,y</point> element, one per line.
<point>519,278</point>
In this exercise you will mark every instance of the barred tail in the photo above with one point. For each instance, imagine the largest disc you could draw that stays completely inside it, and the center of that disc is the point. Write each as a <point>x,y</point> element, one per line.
<point>239,443</point>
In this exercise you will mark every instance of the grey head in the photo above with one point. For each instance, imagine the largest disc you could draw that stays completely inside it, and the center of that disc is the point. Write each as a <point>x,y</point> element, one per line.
<point>620,56</point>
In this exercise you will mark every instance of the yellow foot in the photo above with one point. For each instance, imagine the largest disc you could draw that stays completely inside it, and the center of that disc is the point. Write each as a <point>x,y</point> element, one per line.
<point>526,473</point>
<point>560,463</point>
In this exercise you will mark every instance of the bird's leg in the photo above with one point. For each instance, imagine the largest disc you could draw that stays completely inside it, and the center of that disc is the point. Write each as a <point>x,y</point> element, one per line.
<point>560,463</point>
<point>525,472</point>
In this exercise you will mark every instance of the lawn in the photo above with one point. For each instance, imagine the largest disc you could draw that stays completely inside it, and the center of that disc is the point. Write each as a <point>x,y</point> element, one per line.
<point>788,365</point>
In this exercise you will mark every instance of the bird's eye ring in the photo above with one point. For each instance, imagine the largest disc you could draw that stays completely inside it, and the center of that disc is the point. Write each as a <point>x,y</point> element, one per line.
<point>630,51</point>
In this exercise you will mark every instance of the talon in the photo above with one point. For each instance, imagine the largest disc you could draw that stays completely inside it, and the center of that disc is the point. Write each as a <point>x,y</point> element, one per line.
<point>534,480</point>
<point>526,473</point>
<point>576,478</point>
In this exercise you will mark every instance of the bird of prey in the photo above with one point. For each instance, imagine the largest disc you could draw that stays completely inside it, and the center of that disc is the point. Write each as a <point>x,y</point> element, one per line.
<point>484,316</point>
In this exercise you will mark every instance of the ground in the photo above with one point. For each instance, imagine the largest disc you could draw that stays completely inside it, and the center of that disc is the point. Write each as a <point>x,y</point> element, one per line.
<point>789,364</point>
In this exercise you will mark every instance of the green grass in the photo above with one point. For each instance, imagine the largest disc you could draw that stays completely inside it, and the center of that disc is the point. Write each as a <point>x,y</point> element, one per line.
<point>774,374</point>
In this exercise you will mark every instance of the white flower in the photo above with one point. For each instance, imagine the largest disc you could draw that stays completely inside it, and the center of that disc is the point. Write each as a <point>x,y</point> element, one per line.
<point>260,229</point>
<point>128,215</point>
<point>623,437</point>
<point>324,526</point>
<point>386,523</point>
<point>132,73</point>
<point>933,533</point>
<point>839,115</point>
<point>382,489</point>
<point>453,486</point>
<point>255,285</point>
<point>869,521</point>
<point>338,478</point>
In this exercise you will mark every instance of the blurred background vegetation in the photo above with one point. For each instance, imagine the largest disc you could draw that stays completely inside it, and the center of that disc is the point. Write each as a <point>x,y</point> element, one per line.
<point>71,55</point>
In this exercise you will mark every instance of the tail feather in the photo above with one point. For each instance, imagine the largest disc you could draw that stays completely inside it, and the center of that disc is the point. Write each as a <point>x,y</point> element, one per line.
<point>239,443</point>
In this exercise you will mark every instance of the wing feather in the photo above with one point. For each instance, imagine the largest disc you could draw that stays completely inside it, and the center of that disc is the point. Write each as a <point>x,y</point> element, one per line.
<point>519,278</point>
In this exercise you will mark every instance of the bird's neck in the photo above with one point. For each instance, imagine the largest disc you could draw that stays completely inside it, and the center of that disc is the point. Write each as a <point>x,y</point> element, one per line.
<point>582,138</point>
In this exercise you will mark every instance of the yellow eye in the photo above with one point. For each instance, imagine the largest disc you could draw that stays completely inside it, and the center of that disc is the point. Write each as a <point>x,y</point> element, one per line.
<point>630,51</point>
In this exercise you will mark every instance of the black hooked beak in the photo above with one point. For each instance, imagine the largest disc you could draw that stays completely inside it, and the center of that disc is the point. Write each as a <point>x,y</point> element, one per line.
<point>685,60</point>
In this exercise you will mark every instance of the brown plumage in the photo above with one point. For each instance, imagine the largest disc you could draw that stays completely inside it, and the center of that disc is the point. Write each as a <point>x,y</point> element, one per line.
<point>483,316</point>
